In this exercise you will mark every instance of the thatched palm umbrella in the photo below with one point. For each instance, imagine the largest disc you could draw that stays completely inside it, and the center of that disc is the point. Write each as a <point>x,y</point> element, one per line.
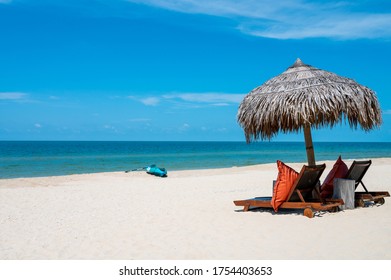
<point>304,97</point>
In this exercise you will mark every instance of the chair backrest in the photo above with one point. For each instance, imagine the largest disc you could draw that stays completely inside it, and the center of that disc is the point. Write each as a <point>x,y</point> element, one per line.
<point>306,182</point>
<point>357,170</point>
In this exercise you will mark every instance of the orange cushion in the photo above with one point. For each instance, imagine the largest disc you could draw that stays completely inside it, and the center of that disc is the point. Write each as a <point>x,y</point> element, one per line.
<point>286,177</point>
<point>339,170</point>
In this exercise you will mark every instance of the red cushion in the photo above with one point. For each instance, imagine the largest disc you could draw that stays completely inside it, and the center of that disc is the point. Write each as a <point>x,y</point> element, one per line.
<point>286,177</point>
<point>339,170</point>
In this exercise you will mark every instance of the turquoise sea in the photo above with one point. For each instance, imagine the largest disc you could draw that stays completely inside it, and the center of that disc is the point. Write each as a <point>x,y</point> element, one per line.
<point>48,158</point>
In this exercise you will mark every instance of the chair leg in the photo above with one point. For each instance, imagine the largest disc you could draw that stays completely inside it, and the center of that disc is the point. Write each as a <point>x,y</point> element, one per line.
<point>308,213</point>
<point>362,183</point>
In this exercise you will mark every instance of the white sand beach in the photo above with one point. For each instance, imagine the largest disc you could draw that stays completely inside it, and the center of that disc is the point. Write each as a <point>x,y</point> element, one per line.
<point>189,215</point>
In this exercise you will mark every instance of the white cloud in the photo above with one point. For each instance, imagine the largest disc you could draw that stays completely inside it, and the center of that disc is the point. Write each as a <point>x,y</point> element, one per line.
<point>147,101</point>
<point>387,112</point>
<point>217,99</point>
<point>184,127</point>
<point>13,95</point>
<point>5,1</point>
<point>150,101</point>
<point>227,8</point>
<point>291,19</point>
<point>38,125</point>
<point>192,99</point>
<point>334,26</point>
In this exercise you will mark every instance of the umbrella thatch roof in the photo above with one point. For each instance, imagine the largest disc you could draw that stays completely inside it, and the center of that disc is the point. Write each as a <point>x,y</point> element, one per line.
<point>306,96</point>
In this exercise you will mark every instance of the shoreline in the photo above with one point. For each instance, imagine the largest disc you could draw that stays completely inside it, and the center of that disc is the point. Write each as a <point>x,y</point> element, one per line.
<point>299,164</point>
<point>186,216</point>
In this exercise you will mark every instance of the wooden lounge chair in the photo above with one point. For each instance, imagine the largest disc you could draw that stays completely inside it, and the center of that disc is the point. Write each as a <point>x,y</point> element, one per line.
<point>356,172</point>
<point>300,196</point>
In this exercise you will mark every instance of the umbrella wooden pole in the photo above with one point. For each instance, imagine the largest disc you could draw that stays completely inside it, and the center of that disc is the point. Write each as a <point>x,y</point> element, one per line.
<point>308,145</point>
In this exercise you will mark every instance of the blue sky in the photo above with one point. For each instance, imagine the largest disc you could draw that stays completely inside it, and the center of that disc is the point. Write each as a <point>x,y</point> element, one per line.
<point>176,70</point>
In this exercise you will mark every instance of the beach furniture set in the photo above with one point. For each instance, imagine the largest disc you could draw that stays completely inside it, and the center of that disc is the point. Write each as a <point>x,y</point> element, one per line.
<point>302,98</point>
<point>304,193</point>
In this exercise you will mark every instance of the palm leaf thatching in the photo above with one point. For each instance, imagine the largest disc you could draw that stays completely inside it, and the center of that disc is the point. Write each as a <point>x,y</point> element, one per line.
<point>305,97</point>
